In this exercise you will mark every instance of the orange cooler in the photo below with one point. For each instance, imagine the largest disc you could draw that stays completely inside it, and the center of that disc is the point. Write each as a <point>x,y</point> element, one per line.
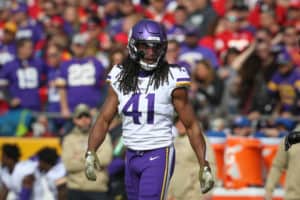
<point>243,162</point>
<point>218,145</point>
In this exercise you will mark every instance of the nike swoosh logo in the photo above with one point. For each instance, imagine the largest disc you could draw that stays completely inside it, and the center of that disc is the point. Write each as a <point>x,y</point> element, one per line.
<point>153,158</point>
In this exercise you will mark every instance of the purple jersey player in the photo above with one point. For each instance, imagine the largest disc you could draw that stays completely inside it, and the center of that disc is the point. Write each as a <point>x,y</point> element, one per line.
<point>27,27</point>
<point>146,91</point>
<point>23,77</point>
<point>285,84</point>
<point>191,52</point>
<point>8,48</point>
<point>80,79</point>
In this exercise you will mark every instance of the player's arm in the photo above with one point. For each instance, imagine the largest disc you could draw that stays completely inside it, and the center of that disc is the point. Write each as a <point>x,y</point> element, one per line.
<point>27,187</point>
<point>4,74</point>
<point>3,192</point>
<point>63,99</point>
<point>106,115</point>
<point>61,191</point>
<point>188,118</point>
<point>98,133</point>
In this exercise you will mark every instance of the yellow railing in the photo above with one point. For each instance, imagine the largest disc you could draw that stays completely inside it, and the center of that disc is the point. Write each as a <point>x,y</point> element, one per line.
<point>29,146</point>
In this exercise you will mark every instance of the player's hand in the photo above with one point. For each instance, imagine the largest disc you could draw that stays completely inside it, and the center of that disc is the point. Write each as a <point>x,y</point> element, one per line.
<point>91,165</point>
<point>206,178</point>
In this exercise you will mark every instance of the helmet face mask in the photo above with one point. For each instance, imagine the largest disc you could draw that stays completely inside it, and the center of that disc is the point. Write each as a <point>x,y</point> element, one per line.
<point>149,52</point>
<point>147,44</point>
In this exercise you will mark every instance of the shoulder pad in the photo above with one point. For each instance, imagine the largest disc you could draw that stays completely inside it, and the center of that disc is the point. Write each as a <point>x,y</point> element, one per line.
<point>173,65</point>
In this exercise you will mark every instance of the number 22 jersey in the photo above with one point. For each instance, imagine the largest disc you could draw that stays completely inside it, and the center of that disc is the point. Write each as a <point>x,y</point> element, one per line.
<point>147,115</point>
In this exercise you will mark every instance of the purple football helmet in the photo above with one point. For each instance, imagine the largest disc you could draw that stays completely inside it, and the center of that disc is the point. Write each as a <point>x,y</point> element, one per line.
<point>145,35</point>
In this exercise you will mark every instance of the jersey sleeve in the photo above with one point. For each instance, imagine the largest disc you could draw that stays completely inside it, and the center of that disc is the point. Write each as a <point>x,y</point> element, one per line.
<point>100,69</point>
<point>180,78</point>
<point>5,74</point>
<point>63,72</point>
<point>112,77</point>
<point>57,173</point>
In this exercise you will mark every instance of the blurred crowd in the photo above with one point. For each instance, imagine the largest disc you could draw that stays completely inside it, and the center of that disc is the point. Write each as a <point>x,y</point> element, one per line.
<point>243,57</point>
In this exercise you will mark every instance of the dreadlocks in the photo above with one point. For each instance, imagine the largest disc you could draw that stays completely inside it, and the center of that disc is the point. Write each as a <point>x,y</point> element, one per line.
<point>128,77</point>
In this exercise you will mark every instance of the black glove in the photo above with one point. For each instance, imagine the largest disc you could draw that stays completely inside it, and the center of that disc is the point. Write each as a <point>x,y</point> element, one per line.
<point>292,138</point>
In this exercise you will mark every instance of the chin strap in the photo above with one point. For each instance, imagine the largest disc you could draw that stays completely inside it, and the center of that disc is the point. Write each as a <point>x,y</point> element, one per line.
<point>148,67</point>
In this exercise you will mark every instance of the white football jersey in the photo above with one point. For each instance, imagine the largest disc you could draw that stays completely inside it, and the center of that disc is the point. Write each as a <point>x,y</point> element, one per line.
<point>148,115</point>
<point>13,181</point>
<point>44,185</point>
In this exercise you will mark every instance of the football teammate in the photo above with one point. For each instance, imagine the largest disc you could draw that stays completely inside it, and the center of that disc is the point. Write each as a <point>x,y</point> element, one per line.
<point>41,177</point>
<point>146,91</point>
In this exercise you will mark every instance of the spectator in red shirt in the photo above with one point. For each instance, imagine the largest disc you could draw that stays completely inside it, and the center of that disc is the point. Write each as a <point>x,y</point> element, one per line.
<point>221,6</point>
<point>157,12</point>
<point>35,9</point>
<point>267,20</point>
<point>233,35</point>
<point>86,9</point>
<point>289,41</point>
<point>4,13</point>
<point>264,6</point>
<point>97,38</point>
<point>293,14</point>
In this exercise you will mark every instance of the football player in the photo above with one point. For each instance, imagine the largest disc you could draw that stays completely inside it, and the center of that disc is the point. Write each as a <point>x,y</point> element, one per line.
<point>146,91</point>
